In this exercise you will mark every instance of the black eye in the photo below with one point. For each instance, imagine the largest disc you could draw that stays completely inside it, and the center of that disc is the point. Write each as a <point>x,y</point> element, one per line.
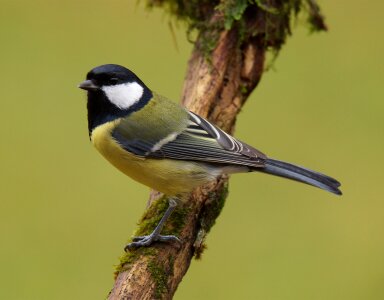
<point>114,80</point>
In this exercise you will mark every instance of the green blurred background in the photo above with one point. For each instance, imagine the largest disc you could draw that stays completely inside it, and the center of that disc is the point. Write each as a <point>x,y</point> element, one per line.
<point>65,213</point>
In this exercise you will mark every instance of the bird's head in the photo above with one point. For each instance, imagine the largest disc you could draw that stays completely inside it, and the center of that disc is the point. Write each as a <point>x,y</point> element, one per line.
<point>121,87</point>
<point>113,92</point>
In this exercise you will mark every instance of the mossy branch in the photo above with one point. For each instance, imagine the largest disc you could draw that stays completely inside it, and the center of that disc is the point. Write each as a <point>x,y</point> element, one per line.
<point>225,66</point>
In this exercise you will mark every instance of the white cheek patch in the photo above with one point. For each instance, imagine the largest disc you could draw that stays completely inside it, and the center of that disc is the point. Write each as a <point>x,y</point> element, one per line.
<point>124,95</point>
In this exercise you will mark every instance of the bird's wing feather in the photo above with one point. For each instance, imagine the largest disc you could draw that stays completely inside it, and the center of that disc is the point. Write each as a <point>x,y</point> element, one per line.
<point>222,138</point>
<point>199,141</point>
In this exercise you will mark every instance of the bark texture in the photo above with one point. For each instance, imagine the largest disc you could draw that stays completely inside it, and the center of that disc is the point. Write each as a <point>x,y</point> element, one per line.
<point>216,90</point>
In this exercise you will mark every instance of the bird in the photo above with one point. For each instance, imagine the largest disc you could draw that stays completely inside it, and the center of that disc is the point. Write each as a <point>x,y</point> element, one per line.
<point>164,146</point>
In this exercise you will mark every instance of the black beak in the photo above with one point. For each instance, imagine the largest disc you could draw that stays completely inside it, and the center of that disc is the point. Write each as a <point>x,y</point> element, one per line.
<point>88,85</point>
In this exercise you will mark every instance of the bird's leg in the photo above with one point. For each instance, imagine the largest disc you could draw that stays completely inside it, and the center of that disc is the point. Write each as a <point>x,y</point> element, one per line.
<point>147,240</point>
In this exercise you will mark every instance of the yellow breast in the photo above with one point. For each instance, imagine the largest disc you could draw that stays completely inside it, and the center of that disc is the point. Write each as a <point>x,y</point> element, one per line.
<point>171,177</point>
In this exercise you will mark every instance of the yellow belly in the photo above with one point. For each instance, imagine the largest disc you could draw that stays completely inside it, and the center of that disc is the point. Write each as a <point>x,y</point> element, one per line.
<point>171,177</point>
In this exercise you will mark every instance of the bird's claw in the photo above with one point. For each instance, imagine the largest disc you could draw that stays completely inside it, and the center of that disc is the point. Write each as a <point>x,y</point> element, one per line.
<point>147,240</point>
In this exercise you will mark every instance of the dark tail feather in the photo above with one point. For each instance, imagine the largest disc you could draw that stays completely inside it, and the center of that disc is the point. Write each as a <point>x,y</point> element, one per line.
<point>283,169</point>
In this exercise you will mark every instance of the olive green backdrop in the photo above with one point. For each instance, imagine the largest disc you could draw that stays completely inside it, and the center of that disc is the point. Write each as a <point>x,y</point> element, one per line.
<point>66,214</point>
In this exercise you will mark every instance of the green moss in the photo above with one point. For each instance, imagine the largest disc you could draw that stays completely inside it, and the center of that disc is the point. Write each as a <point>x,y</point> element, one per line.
<point>213,207</point>
<point>244,89</point>
<point>211,211</point>
<point>130,257</point>
<point>160,273</point>
<point>274,18</point>
<point>176,221</point>
<point>233,11</point>
<point>160,277</point>
<point>153,215</point>
<point>147,224</point>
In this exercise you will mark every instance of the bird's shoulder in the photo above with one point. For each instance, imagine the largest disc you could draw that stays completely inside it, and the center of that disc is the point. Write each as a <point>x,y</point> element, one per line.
<point>159,121</point>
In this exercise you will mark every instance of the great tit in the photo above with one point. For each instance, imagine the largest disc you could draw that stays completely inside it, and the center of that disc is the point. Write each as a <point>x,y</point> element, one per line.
<point>166,147</point>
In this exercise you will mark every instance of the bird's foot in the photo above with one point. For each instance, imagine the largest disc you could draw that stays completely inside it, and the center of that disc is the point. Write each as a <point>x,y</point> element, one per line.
<point>155,236</point>
<point>148,240</point>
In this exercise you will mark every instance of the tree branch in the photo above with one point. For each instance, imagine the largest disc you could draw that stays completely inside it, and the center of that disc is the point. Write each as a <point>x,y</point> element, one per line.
<point>214,88</point>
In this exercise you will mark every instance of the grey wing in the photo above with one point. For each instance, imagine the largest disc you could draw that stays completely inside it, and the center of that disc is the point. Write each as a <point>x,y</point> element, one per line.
<point>202,141</point>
